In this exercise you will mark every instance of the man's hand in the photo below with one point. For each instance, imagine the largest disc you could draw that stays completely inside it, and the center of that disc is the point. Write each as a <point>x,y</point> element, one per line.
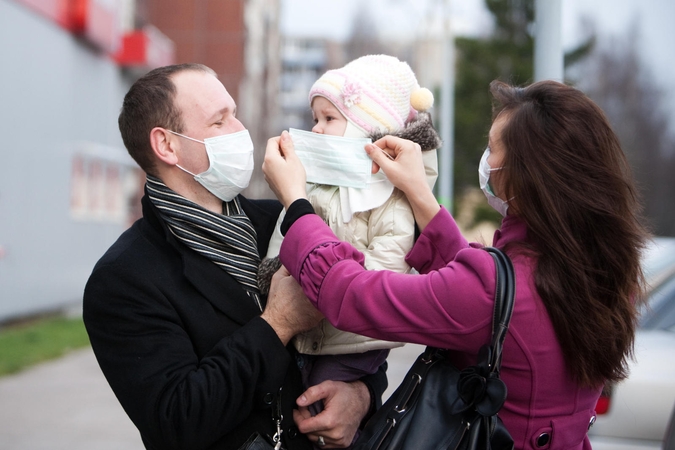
<point>345,405</point>
<point>283,170</point>
<point>288,311</point>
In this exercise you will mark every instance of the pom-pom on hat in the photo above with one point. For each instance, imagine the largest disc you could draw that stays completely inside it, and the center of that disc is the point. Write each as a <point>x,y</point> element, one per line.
<point>375,93</point>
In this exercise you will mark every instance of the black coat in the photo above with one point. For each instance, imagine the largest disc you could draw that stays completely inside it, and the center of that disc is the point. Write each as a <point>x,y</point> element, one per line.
<point>181,343</point>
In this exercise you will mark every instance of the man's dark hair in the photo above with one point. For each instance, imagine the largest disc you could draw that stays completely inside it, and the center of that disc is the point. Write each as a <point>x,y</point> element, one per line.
<point>149,104</point>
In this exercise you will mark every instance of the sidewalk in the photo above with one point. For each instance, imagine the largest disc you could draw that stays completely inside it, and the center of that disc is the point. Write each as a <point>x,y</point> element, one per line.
<point>66,404</point>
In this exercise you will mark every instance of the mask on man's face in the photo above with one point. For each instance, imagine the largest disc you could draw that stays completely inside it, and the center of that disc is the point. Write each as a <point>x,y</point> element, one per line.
<point>230,164</point>
<point>484,170</point>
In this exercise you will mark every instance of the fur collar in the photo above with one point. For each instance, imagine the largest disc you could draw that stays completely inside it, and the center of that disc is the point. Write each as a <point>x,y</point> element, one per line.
<point>420,131</point>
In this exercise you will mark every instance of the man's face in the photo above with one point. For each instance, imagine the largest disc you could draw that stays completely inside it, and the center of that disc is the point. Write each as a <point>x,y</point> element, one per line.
<point>207,110</point>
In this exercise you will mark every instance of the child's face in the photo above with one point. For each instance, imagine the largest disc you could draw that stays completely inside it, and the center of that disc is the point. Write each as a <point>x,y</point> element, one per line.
<point>327,119</point>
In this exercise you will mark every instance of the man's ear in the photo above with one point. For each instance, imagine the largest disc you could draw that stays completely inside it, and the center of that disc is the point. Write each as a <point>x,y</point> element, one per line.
<point>163,146</point>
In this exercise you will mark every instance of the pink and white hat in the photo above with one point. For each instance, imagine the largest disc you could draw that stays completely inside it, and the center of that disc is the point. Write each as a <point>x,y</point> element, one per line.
<point>375,93</point>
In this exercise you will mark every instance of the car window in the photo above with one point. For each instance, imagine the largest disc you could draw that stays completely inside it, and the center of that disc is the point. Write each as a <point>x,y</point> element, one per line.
<point>658,259</point>
<point>660,312</point>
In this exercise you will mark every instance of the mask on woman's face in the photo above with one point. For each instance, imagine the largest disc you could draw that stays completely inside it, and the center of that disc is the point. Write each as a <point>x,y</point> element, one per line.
<point>230,164</point>
<point>484,170</point>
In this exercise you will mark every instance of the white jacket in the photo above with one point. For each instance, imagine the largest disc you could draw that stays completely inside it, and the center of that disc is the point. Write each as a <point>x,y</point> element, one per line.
<point>384,235</point>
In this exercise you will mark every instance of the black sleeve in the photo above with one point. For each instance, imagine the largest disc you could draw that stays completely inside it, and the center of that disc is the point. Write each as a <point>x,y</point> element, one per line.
<point>177,399</point>
<point>376,383</point>
<point>298,208</point>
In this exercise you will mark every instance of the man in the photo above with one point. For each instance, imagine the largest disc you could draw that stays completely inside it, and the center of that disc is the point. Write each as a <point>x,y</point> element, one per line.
<point>173,310</point>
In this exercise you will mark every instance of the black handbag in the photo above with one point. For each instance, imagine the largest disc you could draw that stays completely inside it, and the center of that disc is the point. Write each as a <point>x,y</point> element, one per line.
<point>258,441</point>
<point>438,406</point>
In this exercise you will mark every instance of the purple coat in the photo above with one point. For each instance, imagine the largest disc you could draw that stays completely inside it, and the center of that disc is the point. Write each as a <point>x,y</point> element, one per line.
<point>449,305</point>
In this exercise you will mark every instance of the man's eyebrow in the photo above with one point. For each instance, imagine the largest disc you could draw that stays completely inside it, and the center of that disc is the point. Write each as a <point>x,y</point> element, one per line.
<point>222,112</point>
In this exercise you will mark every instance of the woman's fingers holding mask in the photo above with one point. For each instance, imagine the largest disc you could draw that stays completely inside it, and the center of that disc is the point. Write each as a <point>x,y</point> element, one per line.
<point>401,160</point>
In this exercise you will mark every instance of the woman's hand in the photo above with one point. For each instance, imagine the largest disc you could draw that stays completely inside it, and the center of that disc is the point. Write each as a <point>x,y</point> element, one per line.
<point>406,172</point>
<point>283,170</point>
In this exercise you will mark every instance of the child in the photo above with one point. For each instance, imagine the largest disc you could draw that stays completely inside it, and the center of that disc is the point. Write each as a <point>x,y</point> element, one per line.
<point>370,97</point>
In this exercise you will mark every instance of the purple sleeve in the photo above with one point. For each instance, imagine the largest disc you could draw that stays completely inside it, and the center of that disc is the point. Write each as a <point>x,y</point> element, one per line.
<point>437,245</point>
<point>441,308</point>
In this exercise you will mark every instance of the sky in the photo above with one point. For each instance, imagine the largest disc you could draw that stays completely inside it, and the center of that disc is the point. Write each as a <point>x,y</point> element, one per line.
<point>399,19</point>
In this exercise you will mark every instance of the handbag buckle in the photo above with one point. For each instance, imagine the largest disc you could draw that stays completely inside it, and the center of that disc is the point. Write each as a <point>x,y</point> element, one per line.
<point>404,398</point>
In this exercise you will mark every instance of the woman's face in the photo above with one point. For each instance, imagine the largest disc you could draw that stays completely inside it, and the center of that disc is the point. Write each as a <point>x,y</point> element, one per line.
<point>497,154</point>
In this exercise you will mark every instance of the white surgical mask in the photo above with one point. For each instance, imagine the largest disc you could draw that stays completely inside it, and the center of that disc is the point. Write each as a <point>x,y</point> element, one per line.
<point>484,170</point>
<point>230,164</point>
<point>333,160</point>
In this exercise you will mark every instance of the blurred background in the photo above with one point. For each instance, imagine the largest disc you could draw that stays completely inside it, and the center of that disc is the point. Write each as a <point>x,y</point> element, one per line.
<point>68,187</point>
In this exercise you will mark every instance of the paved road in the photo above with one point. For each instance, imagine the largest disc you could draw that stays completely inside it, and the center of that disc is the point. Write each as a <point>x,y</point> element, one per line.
<point>67,404</point>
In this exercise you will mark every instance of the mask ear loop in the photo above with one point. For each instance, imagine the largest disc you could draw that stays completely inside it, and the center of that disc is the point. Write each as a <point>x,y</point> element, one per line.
<point>186,137</point>
<point>185,170</point>
<point>192,139</point>
<point>489,187</point>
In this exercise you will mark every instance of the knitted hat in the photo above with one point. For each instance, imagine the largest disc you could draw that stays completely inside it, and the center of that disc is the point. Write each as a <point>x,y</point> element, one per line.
<point>375,93</point>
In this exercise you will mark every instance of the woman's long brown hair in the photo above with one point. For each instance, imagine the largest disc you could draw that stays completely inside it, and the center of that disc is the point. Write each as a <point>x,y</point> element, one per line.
<point>571,183</point>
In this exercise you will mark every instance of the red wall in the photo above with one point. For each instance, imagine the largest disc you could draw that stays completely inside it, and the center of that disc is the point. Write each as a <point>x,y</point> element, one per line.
<point>209,32</point>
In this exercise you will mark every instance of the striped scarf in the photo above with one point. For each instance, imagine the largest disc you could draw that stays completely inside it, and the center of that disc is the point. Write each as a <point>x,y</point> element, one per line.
<point>228,239</point>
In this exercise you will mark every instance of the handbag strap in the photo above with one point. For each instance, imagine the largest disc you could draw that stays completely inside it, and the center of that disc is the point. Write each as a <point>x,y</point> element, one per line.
<point>505,289</point>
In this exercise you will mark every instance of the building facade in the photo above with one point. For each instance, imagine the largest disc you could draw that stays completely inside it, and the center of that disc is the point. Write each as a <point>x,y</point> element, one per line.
<point>303,61</point>
<point>239,40</point>
<point>68,188</point>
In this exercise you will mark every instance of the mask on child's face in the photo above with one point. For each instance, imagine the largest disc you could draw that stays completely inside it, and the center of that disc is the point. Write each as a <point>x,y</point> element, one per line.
<point>484,170</point>
<point>230,164</point>
<point>333,160</point>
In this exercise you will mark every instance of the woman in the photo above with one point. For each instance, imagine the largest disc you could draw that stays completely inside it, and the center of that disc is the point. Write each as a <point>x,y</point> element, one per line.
<point>555,170</point>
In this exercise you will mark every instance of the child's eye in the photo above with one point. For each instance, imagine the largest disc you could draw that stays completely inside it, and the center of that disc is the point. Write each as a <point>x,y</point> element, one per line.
<point>329,118</point>
<point>315,120</point>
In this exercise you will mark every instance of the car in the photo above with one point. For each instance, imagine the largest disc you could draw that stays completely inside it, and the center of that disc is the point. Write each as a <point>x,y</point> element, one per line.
<point>634,414</point>
<point>669,438</point>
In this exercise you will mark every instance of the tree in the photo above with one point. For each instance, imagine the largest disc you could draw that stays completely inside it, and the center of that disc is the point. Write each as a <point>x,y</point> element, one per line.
<point>622,85</point>
<point>508,55</point>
